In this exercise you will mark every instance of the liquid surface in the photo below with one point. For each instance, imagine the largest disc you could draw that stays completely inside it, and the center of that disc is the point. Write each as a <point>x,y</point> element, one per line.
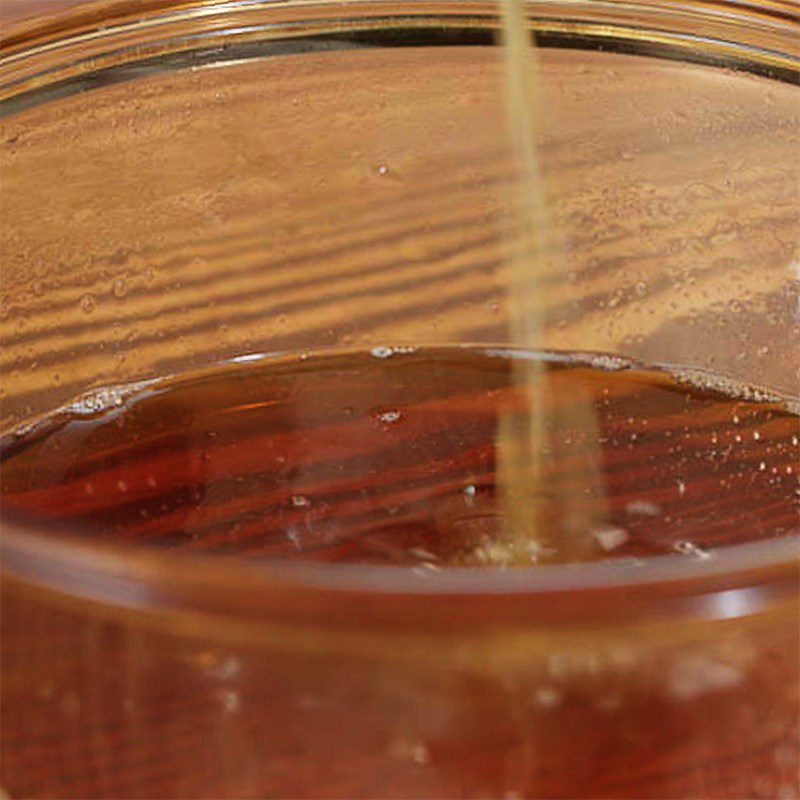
<point>388,456</point>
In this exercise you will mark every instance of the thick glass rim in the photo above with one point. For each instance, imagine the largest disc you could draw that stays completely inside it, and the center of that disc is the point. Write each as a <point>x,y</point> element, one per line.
<point>103,34</point>
<point>38,54</point>
<point>737,581</point>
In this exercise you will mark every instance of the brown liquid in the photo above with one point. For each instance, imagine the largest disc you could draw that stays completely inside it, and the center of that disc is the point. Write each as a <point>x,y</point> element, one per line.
<point>389,457</point>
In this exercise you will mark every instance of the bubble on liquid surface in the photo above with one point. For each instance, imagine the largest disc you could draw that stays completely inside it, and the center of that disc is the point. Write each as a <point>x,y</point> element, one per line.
<point>687,548</point>
<point>610,538</point>
<point>699,378</point>
<point>421,554</point>
<point>385,351</point>
<point>608,363</point>
<point>643,508</point>
<point>389,417</point>
<point>105,399</point>
<point>469,492</point>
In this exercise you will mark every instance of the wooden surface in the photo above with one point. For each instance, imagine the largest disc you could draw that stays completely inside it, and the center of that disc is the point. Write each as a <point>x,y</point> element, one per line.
<point>154,226</point>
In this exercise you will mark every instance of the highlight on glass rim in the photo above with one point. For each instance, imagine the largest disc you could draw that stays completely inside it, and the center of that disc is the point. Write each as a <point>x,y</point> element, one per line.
<point>400,401</point>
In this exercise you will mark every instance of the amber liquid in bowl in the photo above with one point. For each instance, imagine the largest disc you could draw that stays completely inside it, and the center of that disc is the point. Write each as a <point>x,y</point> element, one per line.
<point>389,456</point>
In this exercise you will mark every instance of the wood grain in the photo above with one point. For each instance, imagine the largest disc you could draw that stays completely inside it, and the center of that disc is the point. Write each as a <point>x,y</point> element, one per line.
<point>278,234</point>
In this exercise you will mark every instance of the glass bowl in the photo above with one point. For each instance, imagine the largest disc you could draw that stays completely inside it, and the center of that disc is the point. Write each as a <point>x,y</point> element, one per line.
<point>186,181</point>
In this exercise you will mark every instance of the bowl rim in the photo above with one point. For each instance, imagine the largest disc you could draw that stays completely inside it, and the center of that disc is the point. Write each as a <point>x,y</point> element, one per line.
<point>38,50</point>
<point>739,580</point>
